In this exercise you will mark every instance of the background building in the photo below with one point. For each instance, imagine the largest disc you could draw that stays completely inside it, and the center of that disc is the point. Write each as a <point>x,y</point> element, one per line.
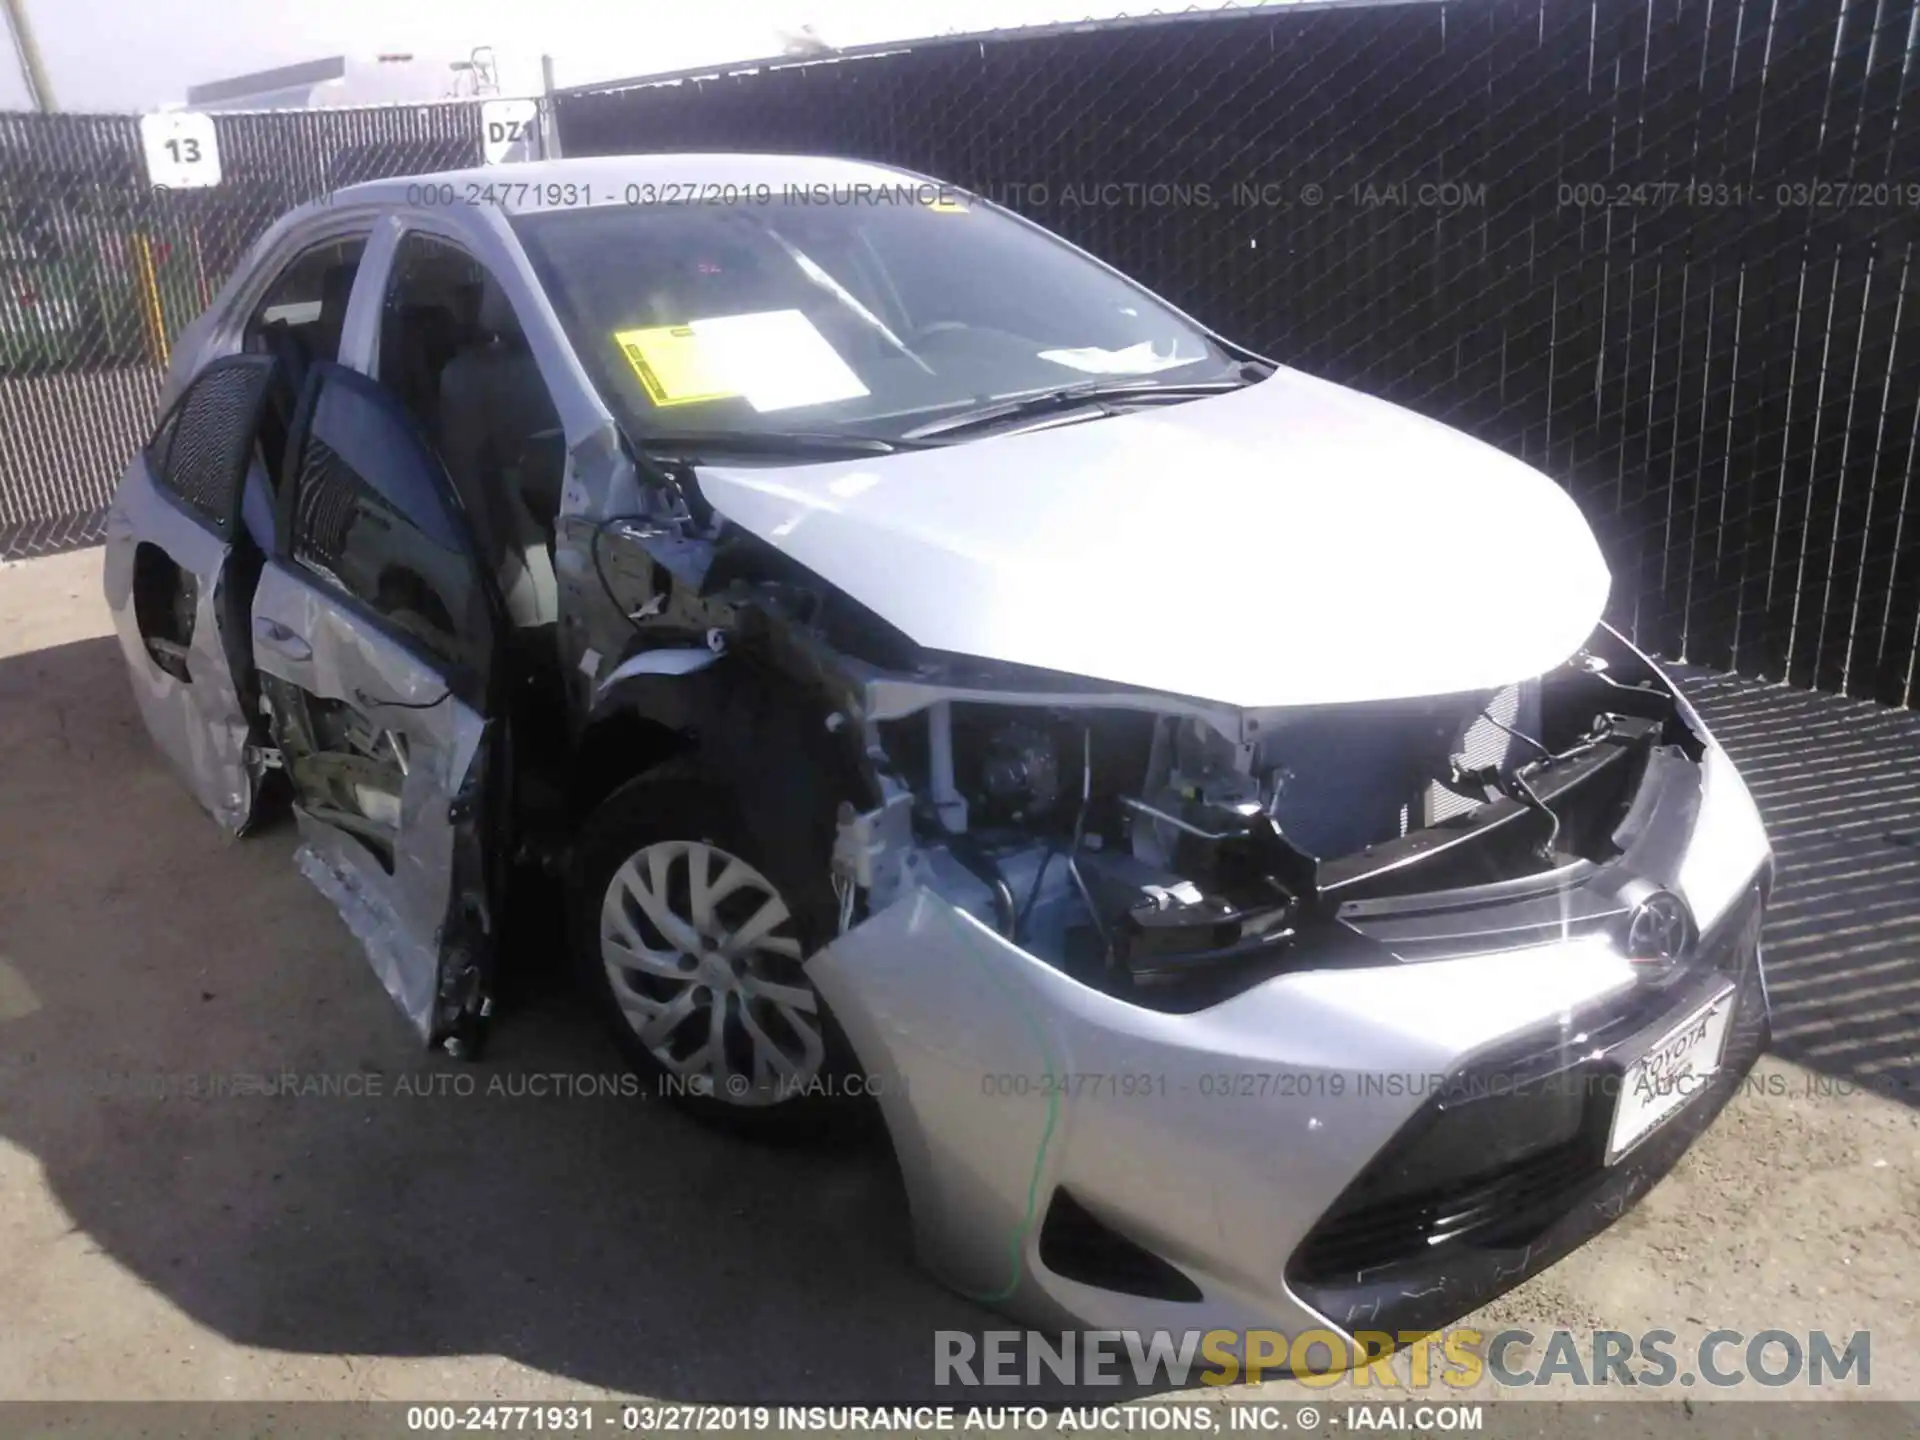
<point>392,78</point>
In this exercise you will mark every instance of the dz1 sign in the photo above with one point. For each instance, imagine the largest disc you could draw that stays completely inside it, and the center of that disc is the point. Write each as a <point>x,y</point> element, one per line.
<point>509,130</point>
<point>180,149</point>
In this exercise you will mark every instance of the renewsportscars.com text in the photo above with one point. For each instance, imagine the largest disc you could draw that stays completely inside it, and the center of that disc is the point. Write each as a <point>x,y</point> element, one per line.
<point>1457,1358</point>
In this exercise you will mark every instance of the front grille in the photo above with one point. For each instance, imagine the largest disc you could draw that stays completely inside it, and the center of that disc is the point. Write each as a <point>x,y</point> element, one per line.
<point>1509,1202</point>
<point>1490,1163</point>
<point>1504,1169</point>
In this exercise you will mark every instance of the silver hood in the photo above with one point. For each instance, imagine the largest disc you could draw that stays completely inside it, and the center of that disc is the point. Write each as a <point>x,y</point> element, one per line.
<point>1291,543</point>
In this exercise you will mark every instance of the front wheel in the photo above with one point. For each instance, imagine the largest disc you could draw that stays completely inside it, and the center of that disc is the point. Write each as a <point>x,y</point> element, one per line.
<point>695,955</point>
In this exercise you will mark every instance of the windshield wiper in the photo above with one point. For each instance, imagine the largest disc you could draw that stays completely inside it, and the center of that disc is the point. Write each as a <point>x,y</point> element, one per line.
<point>802,444</point>
<point>1093,392</point>
<point>817,275</point>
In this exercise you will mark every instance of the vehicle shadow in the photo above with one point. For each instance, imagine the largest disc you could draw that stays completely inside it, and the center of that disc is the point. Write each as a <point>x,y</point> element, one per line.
<point>227,1105</point>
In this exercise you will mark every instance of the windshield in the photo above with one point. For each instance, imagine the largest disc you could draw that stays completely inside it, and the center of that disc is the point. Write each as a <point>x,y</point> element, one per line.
<point>857,319</point>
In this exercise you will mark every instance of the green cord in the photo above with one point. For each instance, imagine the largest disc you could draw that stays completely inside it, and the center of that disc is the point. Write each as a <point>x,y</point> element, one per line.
<point>1025,1227</point>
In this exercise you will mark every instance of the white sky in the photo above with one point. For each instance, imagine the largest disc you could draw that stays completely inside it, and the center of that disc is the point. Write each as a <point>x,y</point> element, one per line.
<point>127,55</point>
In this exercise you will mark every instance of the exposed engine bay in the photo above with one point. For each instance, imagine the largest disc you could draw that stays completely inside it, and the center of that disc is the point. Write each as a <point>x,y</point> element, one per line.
<point>1145,852</point>
<point>1157,847</point>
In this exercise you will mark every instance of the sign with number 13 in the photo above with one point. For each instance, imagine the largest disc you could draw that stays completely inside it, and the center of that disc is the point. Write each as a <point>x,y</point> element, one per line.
<point>181,151</point>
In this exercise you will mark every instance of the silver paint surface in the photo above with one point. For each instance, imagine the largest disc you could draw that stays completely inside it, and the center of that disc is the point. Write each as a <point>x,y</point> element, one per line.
<point>399,918</point>
<point>1031,548</point>
<point>1001,1078</point>
<point>200,727</point>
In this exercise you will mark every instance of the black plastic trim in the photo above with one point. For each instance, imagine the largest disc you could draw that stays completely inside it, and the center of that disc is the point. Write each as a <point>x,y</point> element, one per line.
<point>1077,1245</point>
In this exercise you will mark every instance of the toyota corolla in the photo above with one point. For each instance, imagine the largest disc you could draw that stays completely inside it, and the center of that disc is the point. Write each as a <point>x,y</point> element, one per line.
<point>1203,804</point>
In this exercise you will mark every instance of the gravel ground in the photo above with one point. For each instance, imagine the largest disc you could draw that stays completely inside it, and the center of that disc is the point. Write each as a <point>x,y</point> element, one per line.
<point>522,1245</point>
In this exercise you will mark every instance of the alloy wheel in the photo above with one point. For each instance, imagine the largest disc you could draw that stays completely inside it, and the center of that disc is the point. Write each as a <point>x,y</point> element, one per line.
<point>705,963</point>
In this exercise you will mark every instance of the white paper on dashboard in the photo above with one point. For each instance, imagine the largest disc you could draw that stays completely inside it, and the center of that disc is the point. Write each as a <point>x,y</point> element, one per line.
<point>1138,359</point>
<point>777,359</point>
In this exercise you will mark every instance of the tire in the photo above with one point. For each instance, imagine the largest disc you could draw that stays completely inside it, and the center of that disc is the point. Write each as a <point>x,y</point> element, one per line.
<point>633,869</point>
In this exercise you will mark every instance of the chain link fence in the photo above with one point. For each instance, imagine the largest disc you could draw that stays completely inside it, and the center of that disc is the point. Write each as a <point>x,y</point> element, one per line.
<point>99,272</point>
<point>1662,249</point>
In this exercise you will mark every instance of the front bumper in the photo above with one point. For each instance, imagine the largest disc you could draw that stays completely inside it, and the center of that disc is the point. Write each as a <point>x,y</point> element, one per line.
<point>1268,1161</point>
<point>1504,1171</point>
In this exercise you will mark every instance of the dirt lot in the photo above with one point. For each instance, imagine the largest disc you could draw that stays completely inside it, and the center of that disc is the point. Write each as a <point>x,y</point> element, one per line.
<point>515,1245</point>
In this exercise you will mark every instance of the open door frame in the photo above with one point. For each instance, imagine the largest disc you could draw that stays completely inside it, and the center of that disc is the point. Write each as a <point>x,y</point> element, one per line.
<point>403,822</point>
<point>176,581</point>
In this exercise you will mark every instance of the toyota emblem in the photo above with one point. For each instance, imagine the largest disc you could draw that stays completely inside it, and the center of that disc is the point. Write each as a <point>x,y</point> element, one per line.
<point>1658,930</point>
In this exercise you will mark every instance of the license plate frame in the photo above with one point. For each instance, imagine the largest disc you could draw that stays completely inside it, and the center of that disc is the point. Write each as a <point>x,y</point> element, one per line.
<point>1669,1074</point>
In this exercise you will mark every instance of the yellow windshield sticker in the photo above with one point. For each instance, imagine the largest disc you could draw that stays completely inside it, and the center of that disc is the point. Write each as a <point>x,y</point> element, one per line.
<point>673,365</point>
<point>773,359</point>
<point>948,205</point>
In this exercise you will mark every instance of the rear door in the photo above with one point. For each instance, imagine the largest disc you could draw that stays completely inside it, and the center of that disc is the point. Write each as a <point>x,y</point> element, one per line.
<point>179,570</point>
<point>374,629</point>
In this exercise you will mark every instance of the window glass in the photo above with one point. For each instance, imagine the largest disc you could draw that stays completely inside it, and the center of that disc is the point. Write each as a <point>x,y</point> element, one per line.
<point>871,318</point>
<point>162,440</point>
<point>200,453</point>
<point>299,322</point>
<point>302,315</point>
<point>431,313</point>
<point>453,351</point>
<point>376,524</point>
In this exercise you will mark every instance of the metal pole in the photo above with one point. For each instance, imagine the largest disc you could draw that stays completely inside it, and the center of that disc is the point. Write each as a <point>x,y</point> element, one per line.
<point>549,121</point>
<point>39,88</point>
<point>152,311</point>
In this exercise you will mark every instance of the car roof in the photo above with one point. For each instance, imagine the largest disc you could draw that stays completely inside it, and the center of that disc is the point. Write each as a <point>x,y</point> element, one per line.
<point>623,179</point>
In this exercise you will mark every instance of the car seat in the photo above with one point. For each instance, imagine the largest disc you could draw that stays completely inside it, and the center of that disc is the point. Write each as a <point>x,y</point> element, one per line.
<point>499,435</point>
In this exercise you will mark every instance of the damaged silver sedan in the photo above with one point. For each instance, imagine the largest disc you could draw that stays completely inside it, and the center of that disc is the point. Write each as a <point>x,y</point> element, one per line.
<point>1201,803</point>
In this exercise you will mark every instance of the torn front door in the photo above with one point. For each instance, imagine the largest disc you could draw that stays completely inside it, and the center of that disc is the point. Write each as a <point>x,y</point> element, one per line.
<point>178,573</point>
<point>373,629</point>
